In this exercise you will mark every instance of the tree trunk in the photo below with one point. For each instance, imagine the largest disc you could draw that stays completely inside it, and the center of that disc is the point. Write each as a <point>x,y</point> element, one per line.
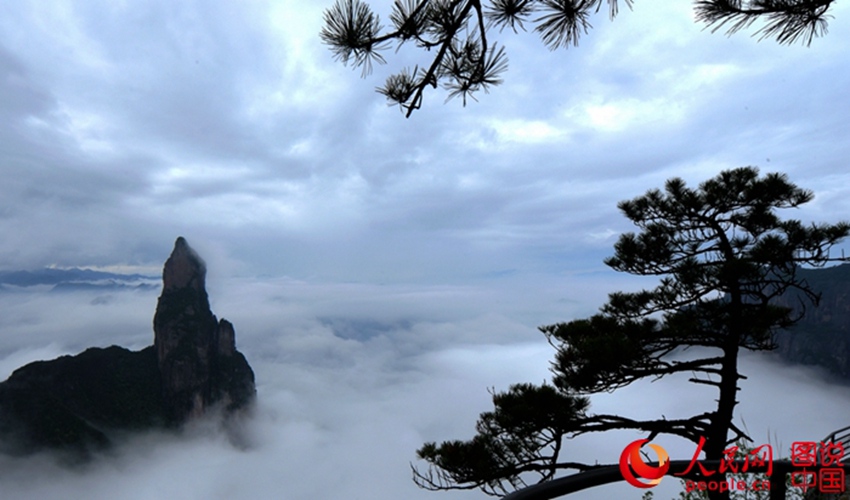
<point>715,442</point>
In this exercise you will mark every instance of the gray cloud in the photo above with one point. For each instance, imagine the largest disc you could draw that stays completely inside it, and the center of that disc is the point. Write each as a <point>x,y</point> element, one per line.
<point>137,122</point>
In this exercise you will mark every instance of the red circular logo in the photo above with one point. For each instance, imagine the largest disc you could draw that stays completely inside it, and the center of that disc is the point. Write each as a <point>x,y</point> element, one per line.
<point>632,465</point>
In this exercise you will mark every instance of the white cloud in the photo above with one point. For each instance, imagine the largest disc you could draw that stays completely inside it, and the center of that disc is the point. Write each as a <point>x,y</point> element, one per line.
<point>525,132</point>
<point>340,415</point>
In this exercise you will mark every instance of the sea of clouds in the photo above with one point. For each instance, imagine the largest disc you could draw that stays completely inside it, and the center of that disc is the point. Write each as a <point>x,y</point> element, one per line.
<point>353,378</point>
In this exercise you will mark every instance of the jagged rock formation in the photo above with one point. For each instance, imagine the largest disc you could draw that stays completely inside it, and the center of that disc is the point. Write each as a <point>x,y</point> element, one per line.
<point>77,402</point>
<point>197,355</point>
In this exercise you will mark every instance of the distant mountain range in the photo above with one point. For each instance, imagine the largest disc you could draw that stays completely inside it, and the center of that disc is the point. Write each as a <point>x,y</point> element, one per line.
<point>75,279</point>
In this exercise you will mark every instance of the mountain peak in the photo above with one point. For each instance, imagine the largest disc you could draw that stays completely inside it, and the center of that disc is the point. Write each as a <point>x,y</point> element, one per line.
<point>183,268</point>
<point>192,346</point>
<point>75,402</point>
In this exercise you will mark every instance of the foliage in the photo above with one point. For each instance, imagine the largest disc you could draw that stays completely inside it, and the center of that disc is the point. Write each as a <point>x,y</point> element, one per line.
<point>522,435</point>
<point>723,258</point>
<point>465,60</point>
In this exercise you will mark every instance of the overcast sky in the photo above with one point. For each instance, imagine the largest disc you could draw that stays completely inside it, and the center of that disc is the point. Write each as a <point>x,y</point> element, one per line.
<point>341,237</point>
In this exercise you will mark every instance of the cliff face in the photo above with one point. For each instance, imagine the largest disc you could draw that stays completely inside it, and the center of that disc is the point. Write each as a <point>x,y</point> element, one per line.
<point>822,336</point>
<point>77,402</point>
<point>196,354</point>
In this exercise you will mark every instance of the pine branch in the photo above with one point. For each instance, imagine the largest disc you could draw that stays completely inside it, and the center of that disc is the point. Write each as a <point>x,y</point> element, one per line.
<point>353,33</point>
<point>786,20</point>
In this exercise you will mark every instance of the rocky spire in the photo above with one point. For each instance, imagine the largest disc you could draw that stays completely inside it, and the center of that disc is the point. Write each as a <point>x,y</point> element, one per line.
<point>184,268</point>
<point>197,355</point>
<point>78,403</point>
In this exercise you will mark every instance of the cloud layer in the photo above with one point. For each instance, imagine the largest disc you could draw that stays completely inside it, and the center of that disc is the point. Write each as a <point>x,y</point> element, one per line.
<point>125,126</point>
<point>352,380</point>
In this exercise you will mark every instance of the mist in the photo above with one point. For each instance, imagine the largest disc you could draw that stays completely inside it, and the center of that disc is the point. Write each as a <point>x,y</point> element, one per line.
<point>351,380</point>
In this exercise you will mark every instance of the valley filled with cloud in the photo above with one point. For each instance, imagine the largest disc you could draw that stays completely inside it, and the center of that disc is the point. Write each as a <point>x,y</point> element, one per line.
<point>351,380</point>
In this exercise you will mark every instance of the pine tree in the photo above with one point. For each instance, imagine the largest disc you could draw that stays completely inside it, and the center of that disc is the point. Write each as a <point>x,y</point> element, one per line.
<point>723,257</point>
